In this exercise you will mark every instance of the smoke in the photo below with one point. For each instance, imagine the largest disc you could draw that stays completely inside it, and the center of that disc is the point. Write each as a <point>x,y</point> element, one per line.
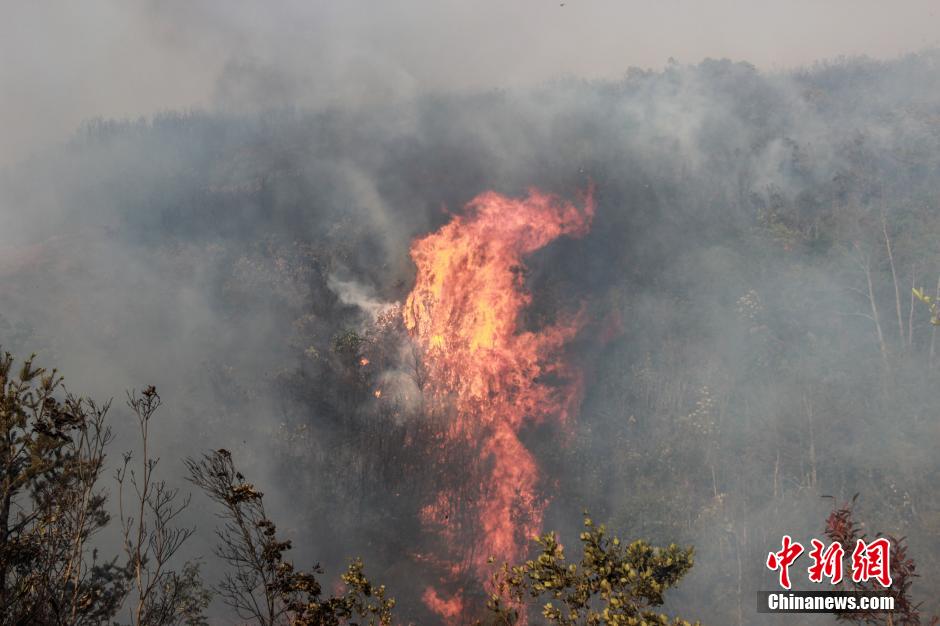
<point>361,296</point>
<point>119,60</point>
<point>237,244</point>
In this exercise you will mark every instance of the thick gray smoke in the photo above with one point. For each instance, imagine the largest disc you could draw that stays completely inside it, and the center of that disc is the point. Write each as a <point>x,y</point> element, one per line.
<point>66,63</point>
<point>229,244</point>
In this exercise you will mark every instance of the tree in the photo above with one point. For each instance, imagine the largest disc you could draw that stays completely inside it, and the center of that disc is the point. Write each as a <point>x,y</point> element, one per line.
<point>51,457</point>
<point>612,584</point>
<point>841,527</point>
<point>262,586</point>
<point>150,539</point>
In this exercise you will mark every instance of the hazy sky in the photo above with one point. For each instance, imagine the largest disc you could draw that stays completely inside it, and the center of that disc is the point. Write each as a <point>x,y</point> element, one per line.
<point>63,62</point>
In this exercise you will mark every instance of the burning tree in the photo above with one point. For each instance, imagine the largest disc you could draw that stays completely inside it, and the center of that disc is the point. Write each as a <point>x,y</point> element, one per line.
<point>488,372</point>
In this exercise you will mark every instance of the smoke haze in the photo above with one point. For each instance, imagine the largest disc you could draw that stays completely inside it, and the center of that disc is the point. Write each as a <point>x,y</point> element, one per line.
<point>219,198</point>
<point>65,63</point>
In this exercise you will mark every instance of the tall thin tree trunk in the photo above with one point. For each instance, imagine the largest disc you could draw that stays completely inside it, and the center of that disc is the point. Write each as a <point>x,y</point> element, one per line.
<point>894,277</point>
<point>738,546</point>
<point>812,442</point>
<point>933,329</point>
<point>777,478</point>
<point>910,315</point>
<point>874,313</point>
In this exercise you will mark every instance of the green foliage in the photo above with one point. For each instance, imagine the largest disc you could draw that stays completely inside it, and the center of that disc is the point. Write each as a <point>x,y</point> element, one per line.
<point>301,594</point>
<point>931,305</point>
<point>613,583</point>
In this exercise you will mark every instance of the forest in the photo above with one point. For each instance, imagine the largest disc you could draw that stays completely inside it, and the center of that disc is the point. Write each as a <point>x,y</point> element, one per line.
<point>719,300</point>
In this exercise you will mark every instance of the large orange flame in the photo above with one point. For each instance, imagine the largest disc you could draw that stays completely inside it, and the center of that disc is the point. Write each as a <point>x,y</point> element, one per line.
<point>465,311</point>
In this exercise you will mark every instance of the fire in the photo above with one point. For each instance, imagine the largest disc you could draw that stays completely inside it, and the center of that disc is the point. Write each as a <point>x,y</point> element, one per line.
<point>448,609</point>
<point>464,311</point>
